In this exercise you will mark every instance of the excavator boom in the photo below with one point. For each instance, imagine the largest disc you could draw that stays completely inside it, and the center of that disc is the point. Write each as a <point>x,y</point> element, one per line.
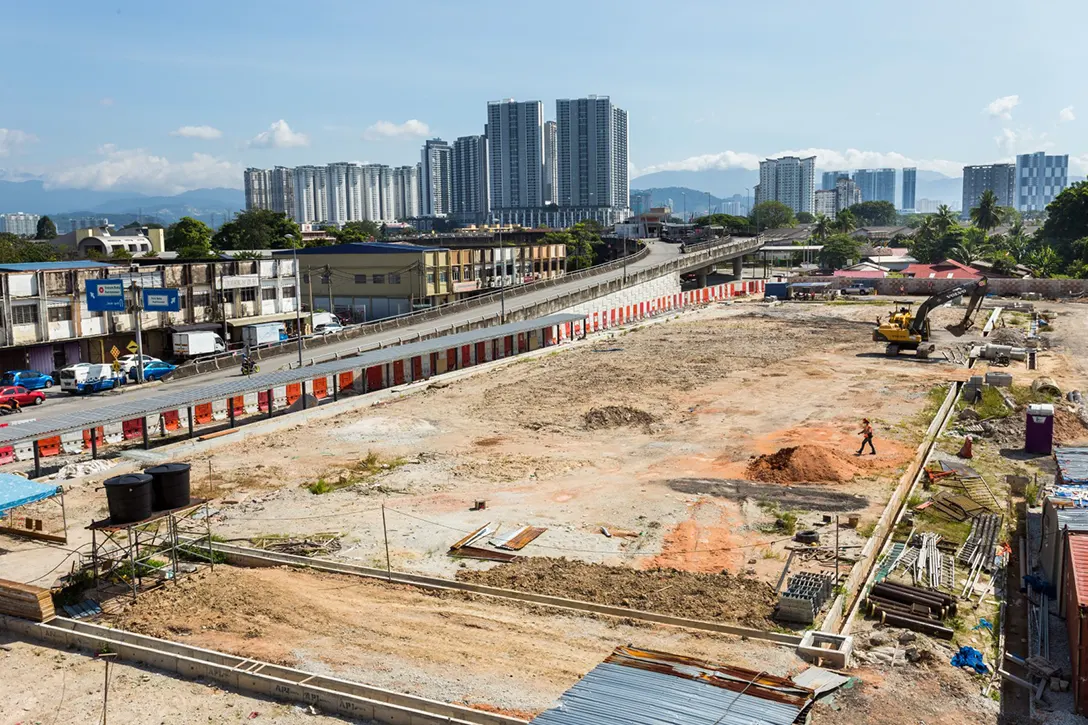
<point>977,291</point>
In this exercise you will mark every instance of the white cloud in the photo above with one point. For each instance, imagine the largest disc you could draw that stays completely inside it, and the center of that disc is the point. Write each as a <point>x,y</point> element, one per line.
<point>1078,164</point>
<point>412,128</point>
<point>1002,107</point>
<point>1066,114</point>
<point>12,140</point>
<point>825,159</point>
<point>138,169</point>
<point>206,133</point>
<point>279,136</point>
<point>1021,140</point>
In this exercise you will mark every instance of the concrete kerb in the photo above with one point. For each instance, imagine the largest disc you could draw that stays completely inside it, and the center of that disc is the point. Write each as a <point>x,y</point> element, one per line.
<point>838,618</point>
<point>329,694</point>
<point>253,558</point>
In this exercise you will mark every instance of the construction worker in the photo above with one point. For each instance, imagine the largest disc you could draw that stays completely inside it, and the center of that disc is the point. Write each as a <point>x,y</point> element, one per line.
<point>867,432</point>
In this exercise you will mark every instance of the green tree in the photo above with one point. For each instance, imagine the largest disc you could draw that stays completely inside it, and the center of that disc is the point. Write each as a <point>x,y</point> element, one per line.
<point>772,215</point>
<point>945,218</point>
<point>839,250</point>
<point>579,251</point>
<point>972,247</point>
<point>46,229</point>
<point>358,231</point>
<point>1044,262</point>
<point>845,221</point>
<point>730,222</point>
<point>988,214</point>
<point>258,229</point>
<point>824,227</point>
<point>121,254</point>
<point>875,214</point>
<point>190,238</point>
<point>803,217</point>
<point>14,250</point>
<point>1066,220</point>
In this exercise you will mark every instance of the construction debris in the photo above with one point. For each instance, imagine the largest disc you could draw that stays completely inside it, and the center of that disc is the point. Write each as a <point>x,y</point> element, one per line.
<point>320,544</point>
<point>475,552</point>
<point>914,608</point>
<point>953,506</point>
<point>517,539</point>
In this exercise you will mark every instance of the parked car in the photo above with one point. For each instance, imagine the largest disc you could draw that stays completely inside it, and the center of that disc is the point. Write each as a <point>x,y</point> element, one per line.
<point>128,362</point>
<point>328,328</point>
<point>154,370</point>
<point>857,288</point>
<point>29,379</point>
<point>21,394</point>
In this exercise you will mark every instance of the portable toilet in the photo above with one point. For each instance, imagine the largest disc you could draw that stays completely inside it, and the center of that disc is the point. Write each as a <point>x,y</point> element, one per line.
<point>1039,428</point>
<point>778,290</point>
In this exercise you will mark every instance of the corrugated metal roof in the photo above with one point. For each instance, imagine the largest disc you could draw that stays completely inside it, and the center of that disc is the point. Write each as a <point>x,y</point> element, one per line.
<point>51,266</point>
<point>97,414</point>
<point>1078,555</point>
<point>1074,518</point>
<point>1072,464</point>
<point>642,687</point>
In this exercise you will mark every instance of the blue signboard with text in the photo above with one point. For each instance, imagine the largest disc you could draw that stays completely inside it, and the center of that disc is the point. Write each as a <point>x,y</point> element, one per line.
<point>105,295</point>
<point>161,300</point>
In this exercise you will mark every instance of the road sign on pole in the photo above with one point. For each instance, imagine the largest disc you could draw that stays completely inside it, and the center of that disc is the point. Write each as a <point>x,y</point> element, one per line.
<point>161,300</point>
<point>105,295</point>
<point>132,347</point>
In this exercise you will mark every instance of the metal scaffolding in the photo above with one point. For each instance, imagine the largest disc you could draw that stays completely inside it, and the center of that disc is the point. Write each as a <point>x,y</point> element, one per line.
<point>160,548</point>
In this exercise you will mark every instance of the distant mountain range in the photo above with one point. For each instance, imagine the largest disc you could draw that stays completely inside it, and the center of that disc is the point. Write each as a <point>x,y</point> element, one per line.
<point>723,183</point>
<point>33,198</point>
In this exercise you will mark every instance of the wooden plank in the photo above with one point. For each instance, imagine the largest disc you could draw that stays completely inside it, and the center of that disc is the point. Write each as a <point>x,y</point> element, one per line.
<point>37,535</point>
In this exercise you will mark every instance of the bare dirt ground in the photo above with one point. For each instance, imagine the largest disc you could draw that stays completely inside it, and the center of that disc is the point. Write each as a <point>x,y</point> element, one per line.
<point>45,686</point>
<point>450,646</point>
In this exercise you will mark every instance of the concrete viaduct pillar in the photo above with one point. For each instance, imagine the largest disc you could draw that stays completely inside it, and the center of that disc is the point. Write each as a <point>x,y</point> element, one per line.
<point>738,267</point>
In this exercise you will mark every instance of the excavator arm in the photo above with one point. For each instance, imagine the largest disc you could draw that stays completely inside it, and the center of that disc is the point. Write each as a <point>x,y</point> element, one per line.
<point>977,291</point>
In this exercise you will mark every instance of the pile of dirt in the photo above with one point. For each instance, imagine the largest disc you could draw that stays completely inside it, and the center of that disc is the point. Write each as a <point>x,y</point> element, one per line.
<point>802,464</point>
<point>616,416</point>
<point>1008,336</point>
<point>720,597</point>
<point>1068,427</point>
<point>1009,432</point>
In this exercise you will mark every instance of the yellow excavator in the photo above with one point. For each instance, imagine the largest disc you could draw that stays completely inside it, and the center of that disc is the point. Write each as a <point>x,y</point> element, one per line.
<point>906,330</point>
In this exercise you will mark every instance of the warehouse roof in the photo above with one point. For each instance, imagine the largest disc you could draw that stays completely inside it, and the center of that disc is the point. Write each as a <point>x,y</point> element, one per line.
<point>359,248</point>
<point>102,414</point>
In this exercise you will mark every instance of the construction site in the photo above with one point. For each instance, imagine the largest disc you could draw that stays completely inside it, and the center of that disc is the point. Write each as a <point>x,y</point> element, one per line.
<point>669,513</point>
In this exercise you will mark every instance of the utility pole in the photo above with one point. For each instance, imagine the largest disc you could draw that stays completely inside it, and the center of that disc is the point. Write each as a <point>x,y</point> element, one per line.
<point>137,309</point>
<point>502,272</point>
<point>223,303</point>
<point>328,287</point>
<point>298,308</point>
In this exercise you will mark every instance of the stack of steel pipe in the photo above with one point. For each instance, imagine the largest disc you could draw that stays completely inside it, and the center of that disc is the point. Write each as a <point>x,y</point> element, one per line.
<point>914,608</point>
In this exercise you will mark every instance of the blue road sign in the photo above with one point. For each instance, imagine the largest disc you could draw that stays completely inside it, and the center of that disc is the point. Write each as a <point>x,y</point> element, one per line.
<point>105,295</point>
<point>161,300</point>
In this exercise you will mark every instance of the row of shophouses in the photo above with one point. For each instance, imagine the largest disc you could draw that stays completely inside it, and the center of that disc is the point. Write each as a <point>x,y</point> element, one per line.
<point>45,323</point>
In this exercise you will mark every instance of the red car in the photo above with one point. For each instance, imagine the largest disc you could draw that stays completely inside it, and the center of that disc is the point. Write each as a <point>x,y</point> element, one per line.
<point>21,394</point>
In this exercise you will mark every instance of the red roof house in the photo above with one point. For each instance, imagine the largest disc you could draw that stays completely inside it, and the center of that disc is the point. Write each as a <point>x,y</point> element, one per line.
<point>948,269</point>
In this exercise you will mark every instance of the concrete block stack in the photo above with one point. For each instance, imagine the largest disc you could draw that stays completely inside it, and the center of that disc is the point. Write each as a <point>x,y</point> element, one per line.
<point>804,597</point>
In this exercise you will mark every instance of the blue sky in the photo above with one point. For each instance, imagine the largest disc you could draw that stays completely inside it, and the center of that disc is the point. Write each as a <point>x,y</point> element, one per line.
<point>161,97</point>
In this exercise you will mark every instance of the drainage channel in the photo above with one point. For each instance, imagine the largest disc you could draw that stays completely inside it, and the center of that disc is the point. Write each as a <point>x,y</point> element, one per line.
<point>244,556</point>
<point>327,694</point>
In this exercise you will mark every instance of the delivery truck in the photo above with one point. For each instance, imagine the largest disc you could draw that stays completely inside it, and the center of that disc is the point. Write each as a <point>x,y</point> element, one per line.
<point>197,344</point>
<point>263,334</point>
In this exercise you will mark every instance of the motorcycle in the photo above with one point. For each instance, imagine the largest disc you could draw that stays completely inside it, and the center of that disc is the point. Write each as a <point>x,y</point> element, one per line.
<point>249,367</point>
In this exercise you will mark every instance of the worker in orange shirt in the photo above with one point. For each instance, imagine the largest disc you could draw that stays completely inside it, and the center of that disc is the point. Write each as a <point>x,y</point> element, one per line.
<point>867,433</point>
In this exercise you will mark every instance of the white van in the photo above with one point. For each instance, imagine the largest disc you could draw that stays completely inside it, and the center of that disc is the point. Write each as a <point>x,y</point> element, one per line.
<point>88,378</point>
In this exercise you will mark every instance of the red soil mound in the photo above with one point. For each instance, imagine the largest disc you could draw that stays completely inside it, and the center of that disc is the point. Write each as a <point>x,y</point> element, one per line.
<point>802,464</point>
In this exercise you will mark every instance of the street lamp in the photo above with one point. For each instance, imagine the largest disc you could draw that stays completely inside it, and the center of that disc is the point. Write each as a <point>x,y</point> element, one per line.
<point>298,305</point>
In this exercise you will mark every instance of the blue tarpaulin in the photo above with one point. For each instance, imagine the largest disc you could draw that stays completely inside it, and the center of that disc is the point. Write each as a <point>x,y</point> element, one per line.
<point>17,491</point>
<point>970,657</point>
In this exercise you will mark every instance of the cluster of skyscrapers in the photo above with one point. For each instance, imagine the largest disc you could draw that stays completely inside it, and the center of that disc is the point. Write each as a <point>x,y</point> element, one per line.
<point>19,224</point>
<point>1028,185</point>
<point>792,181</point>
<point>521,170</point>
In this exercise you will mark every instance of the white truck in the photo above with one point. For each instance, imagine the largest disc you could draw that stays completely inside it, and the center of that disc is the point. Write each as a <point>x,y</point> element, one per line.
<point>196,344</point>
<point>322,318</point>
<point>263,334</point>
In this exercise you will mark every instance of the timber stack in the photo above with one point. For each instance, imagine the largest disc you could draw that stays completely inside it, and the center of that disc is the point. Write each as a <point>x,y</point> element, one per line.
<point>26,601</point>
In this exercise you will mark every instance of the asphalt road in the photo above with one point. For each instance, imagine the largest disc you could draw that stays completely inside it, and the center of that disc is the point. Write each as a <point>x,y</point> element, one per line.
<point>59,403</point>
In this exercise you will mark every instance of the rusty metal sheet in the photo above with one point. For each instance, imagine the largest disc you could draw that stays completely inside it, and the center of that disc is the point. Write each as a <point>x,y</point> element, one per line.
<point>476,535</point>
<point>522,538</point>
<point>475,552</point>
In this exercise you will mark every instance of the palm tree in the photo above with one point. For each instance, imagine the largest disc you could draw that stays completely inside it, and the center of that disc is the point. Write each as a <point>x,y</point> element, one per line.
<point>823,227</point>
<point>945,219</point>
<point>988,214</point>
<point>971,248</point>
<point>845,221</point>
<point>1044,262</point>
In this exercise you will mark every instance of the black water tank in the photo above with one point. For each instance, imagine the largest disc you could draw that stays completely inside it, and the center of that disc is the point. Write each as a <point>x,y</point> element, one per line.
<point>169,486</point>
<point>129,497</point>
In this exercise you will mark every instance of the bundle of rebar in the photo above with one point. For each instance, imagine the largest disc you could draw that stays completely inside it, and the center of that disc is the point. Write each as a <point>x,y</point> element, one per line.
<point>977,553</point>
<point>929,566</point>
<point>915,608</point>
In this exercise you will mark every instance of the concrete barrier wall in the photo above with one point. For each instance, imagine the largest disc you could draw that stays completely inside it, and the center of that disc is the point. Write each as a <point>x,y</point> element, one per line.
<point>1050,288</point>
